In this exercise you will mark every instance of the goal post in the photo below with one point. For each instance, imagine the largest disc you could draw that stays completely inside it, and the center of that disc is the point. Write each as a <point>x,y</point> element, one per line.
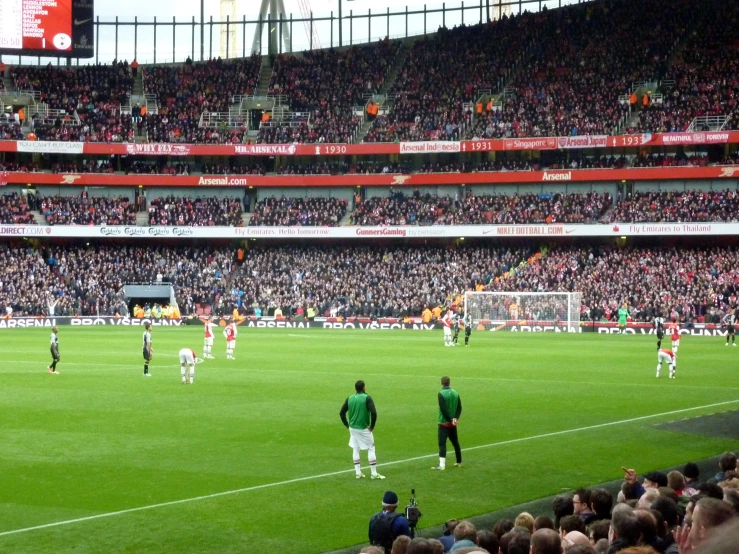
<point>498,311</point>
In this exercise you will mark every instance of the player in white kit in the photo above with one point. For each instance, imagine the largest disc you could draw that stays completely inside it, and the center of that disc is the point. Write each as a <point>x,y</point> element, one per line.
<point>668,356</point>
<point>209,336</point>
<point>230,333</point>
<point>187,359</point>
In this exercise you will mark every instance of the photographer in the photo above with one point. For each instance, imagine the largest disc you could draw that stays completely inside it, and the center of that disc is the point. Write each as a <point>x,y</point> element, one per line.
<point>387,525</point>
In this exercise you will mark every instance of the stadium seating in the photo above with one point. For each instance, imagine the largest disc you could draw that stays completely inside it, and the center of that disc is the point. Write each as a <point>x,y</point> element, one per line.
<point>93,210</point>
<point>328,84</point>
<point>195,212</point>
<point>95,93</point>
<point>442,72</point>
<point>696,282</point>
<point>314,211</point>
<point>87,280</point>
<point>184,92</point>
<point>702,80</point>
<point>10,131</point>
<point>14,209</point>
<point>418,209</point>
<point>696,205</point>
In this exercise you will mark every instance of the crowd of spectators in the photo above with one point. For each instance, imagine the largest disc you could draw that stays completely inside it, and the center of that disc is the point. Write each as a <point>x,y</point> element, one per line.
<point>692,282</point>
<point>94,92</point>
<point>287,211</point>
<point>88,280</point>
<point>443,72</point>
<point>89,165</point>
<point>678,207</point>
<point>196,212</point>
<point>158,168</point>
<point>251,168</point>
<point>370,281</point>
<point>702,81</point>
<point>15,209</point>
<point>184,92</point>
<point>20,167</point>
<point>661,513</point>
<point>10,130</point>
<point>327,84</point>
<point>345,168</point>
<point>467,209</point>
<point>87,210</point>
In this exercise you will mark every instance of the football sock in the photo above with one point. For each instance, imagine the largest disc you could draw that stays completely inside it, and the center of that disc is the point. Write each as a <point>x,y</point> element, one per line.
<point>357,461</point>
<point>192,375</point>
<point>466,340</point>
<point>182,372</point>
<point>659,366</point>
<point>53,365</point>
<point>372,460</point>
<point>146,369</point>
<point>442,462</point>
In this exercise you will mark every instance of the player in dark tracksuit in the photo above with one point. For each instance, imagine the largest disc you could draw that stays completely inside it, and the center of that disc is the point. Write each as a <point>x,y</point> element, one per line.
<point>660,330</point>
<point>450,408</point>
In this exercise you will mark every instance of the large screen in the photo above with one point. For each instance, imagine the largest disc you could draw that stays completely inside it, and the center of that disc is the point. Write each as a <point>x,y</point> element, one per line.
<point>47,27</point>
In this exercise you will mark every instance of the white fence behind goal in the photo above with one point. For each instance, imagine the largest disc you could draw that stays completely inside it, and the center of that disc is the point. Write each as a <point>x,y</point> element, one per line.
<point>512,310</point>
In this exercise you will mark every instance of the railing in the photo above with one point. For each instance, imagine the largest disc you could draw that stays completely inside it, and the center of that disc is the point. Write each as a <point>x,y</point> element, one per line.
<point>287,119</point>
<point>34,94</point>
<point>667,84</point>
<point>636,85</point>
<point>708,123</point>
<point>152,105</point>
<point>160,41</point>
<point>214,120</point>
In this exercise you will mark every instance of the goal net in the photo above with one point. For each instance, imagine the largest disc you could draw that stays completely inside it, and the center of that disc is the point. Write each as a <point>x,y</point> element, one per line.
<point>524,311</point>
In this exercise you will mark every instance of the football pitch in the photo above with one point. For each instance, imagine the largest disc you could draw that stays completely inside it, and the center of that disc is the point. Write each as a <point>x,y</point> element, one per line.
<point>253,457</point>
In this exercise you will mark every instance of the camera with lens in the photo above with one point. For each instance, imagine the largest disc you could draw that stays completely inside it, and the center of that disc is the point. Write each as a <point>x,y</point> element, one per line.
<point>412,512</point>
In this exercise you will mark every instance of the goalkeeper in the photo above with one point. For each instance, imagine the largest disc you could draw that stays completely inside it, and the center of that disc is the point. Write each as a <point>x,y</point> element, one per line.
<point>455,328</point>
<point>467,329</point>
<point>623,313</point>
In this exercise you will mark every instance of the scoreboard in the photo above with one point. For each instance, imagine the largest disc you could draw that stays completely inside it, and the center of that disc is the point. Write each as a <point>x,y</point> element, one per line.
<point>47,28</point>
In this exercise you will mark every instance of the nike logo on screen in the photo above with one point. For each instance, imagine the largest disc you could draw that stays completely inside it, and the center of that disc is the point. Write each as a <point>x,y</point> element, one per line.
<point>78,22</point>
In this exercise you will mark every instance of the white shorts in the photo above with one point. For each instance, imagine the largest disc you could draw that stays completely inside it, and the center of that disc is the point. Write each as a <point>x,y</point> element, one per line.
<point>447,331</point>
<point>209,342</point>
<point>662,357</point>
<point>186,357</point>
<point>230,344</point>
<point>676,342</point>
<point>361,438</point>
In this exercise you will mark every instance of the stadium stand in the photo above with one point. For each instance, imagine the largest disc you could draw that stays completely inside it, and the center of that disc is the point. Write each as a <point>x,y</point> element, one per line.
<point>184,92</point>
<point>698,283</point>
<point>14,209</point>
<point>419,209</point>
<point>90,98</point>
<point>88,280</point>
<point>195,212</point>
<point>286,211</point>
<point>702,80</point>
<point>328,84</point>
<point>82,210</point>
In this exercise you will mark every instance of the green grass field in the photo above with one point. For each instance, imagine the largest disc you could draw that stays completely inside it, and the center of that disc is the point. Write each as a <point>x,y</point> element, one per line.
<point>102,445</point>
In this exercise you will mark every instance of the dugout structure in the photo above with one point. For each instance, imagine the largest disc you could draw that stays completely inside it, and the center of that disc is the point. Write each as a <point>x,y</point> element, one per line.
<point>498,311</point>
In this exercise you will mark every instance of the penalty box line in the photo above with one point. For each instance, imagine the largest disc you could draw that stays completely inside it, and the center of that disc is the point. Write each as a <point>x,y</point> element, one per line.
<point>341,472</point>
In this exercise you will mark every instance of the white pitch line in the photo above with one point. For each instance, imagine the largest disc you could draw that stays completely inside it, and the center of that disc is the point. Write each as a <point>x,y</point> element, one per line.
<point>334,473</point>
